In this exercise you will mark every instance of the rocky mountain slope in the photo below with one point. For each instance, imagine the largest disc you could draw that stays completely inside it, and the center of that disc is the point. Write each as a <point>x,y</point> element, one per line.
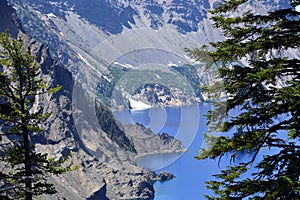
<point>100,40</point>
<point>106,169</point>
<point>94,39</point>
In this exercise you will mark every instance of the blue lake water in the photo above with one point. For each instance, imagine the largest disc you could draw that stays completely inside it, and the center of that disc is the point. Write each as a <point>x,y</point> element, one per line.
<point>187,124</point>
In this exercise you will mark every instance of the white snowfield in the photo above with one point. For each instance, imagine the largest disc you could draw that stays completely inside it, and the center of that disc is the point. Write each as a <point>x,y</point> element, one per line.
<point>137,105</point>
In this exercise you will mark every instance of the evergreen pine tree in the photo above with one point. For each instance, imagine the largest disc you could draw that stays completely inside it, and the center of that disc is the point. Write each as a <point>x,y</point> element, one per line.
<point>260,68</point>
<point>23,170</point>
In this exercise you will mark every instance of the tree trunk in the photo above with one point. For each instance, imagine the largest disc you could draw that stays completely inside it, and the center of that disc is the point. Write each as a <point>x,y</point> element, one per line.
<point>28,173</point>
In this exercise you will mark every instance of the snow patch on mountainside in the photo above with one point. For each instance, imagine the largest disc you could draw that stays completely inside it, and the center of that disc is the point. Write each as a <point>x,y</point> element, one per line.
<point>137,105</point>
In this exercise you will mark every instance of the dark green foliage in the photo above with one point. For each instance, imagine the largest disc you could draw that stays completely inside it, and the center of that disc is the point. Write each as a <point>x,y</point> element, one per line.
<point>23,170</point>
<point>109,125</point>
<point>189,72</point>
<point>117,72</point>
<point>105,87</point>
<point>266,91</point>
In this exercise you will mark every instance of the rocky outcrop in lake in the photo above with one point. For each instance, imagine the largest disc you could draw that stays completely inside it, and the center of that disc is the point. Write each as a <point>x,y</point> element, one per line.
<point>165,176</point>
<point>146,142</point>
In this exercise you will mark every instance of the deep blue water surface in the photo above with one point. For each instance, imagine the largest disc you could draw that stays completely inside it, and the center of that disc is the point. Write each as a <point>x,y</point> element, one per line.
<point>188,124</point>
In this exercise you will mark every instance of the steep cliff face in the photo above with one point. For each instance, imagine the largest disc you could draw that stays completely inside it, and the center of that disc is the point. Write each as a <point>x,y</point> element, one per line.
<point>8,19</point>
<point>116,16</point>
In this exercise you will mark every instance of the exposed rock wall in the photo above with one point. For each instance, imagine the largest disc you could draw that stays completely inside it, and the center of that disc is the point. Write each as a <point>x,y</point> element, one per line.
<point>8,19</point>
<point>146,142</point>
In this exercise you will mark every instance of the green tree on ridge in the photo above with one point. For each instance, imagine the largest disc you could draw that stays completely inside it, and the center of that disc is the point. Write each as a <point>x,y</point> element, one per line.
<point>24,171</point>
<point>266,90</point>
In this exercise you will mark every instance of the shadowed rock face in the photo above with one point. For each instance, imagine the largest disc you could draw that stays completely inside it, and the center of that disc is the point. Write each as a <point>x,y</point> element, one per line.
<point>106,15</point>
<point>8,20</point>
<point>100,194</point>
<point>114,16</point>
